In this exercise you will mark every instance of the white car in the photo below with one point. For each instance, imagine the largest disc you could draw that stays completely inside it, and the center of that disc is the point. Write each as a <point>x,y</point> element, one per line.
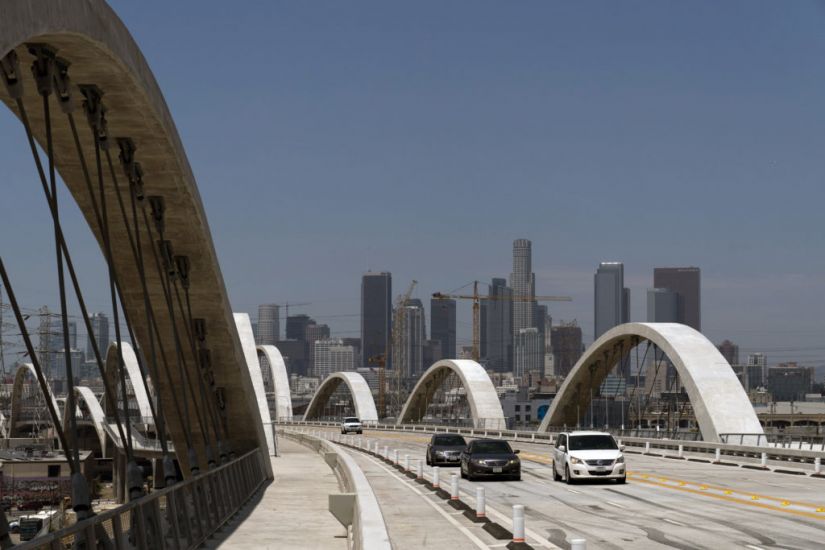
<point>351,424</point>
<point>588,455</point>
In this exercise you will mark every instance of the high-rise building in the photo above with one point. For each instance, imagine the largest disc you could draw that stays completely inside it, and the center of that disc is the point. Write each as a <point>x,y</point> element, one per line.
<point>269,324</point>
<point>432,353</point>
<point>496,327</point>
<point>331,355</point>
<point>757,366</point>
<point>730,352</point>
<point>296,356</point>
<point>566,345</point>
<point>528,354</point>
<point>610,295</point>
<point>442,326</point>
<point>662,306</point>
<point>523,283</point>
<point>100,332</point>
<point>376,315</point>
<point>415,331</point>
<point>59,371</point>
<point>686,282</point>
<point>789,382</point>
<point>313,333</point>
<point>296,326</point>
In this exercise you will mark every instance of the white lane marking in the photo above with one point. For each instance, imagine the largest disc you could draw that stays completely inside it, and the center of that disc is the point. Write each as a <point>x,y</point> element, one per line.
<point>616,504</point>
<point>574,491</point>
<point>477,541</point>
<point>752,547</point>
<point>674,522</point>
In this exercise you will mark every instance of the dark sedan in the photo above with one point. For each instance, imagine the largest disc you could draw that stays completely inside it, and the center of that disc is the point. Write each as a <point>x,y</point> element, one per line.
<point>445,449</point>
<point>490,458</point>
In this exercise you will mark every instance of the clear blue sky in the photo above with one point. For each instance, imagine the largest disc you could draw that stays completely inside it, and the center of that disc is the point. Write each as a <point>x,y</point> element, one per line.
<point>421,138</point>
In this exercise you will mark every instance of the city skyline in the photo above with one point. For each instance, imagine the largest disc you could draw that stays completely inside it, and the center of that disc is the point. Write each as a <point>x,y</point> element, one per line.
<point>690,124</point>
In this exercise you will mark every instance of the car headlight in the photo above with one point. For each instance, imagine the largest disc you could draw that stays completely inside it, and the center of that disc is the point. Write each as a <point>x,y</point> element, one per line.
<point>478,461</point>
<point>620,460</point>
<point>514,461</point>
<point>574,460</point>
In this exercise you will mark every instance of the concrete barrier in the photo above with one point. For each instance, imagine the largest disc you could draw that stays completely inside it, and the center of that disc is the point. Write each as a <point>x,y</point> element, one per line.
<point>368,529</point>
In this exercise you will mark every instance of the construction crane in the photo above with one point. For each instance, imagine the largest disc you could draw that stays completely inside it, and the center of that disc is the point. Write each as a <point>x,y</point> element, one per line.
<point>396,341</point>
<point>476,298</point>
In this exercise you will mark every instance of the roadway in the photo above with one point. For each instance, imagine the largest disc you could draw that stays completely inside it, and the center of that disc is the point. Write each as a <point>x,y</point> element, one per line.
<point>665,504</point>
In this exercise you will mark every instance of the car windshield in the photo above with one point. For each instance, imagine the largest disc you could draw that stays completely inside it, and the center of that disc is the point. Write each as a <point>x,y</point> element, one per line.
<point>592,443</point>
<point>452,440</point>
<point>351,419</point>
<point>491,447</point>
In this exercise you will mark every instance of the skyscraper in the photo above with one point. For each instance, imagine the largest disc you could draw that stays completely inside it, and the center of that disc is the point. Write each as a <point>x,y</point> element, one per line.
<point>610,295</point>
<point>100,332</point>
<point>442,326</point>
<point>313,333</point>
<point>269,324</point>
<point>496,327</point>
<point>413,339</point>
<point>662,306</point>
<point>296,326</point>
<point>376,315</point>
<point>566,344</point>
<point>528,357</point>
<point>730,352</point>
<point>686,282</point>
<point>523,283</point>
<point>332,355</point>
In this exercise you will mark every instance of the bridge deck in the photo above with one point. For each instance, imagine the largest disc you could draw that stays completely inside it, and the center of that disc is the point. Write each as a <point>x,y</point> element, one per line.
<point>292,512</point>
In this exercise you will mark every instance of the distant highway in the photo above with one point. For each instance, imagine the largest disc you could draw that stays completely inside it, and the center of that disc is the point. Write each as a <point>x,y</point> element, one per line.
<point>665,504</point>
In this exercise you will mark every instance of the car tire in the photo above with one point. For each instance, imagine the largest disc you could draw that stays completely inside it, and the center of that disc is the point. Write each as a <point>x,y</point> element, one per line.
<point>567,478</point>
<point>428,461</point>
<point>463,475</point>
<point>556,476</point>
<point>622,480</point>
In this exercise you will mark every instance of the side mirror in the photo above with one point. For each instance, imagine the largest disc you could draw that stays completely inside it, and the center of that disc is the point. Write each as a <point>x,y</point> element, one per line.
<point>562,448</point>
<point>517,451</point>
<point>621,448</point>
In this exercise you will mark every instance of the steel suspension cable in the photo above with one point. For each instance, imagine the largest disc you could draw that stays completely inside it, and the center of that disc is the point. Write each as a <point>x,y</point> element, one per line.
<point>208,398</point>
<point>16,91</point>
<point>141,276</point>
<point>95,114</point>
<point>41,379</point>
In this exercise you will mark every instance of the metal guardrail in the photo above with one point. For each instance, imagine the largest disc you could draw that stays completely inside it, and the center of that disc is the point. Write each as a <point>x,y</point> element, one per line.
<point>784,441</point>
<point>181,516</point>
<point>368,529</point>
<point>749,449</point>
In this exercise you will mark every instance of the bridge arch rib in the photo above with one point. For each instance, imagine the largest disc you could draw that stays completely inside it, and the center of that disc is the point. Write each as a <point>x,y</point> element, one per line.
<point>279,380</point>
<point>17,397</point>
<point>101,52</point>
<point>96,415</point>
<point>359,390</point>
<point>139,391</point>
<point>719,402</point>
<point>485,406</point>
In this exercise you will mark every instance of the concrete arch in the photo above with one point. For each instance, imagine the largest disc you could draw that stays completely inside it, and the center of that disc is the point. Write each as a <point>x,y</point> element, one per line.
<point>98,417</point>
<point>16,397</point>
<point>132,368</point>
<point>481,394</point>
<point>359,390</point>
<point>719,402</point>
<point>90,36</point>
<point>253,365</point>
<point>279,379</point>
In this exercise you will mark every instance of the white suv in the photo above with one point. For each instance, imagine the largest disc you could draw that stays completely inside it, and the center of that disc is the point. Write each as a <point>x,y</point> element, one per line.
<point>351,424</point>
<point>588,455</point>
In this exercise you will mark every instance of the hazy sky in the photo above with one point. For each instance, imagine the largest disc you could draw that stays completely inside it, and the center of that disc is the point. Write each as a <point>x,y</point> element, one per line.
<point>329,138</point>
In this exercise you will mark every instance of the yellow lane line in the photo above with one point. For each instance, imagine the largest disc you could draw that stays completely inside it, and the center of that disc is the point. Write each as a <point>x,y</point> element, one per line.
<point>728,491</point>
<point>753,503</point>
